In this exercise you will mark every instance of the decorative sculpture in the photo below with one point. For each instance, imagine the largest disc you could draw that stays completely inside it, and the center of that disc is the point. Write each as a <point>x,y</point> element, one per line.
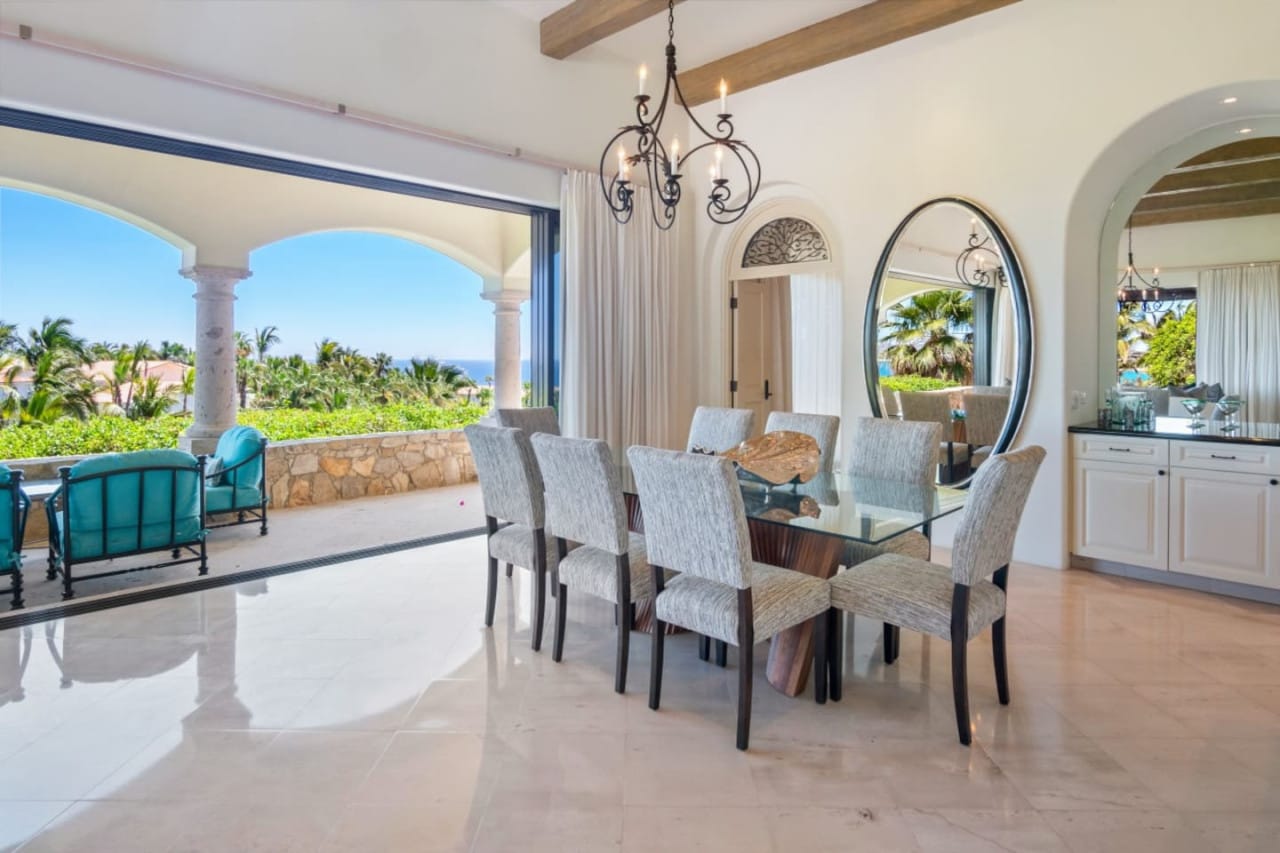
<point>778,457</point>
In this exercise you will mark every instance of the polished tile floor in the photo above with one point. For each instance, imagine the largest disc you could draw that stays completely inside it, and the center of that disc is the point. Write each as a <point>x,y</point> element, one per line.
<point>364,707</point>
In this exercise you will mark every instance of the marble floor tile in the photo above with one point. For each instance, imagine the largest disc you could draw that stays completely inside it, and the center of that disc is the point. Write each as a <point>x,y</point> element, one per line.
<point>302,713</point>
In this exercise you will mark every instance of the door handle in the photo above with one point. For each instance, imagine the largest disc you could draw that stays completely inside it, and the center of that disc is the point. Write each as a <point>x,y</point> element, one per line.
<point>767,395</point>
<point>1226,458</point>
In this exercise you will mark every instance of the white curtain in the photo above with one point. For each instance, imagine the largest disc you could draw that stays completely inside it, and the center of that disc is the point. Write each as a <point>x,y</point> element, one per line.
<point>815,344</point>
<point>618,378</point>
<point>1004,344</point>
<point>1238,336</point>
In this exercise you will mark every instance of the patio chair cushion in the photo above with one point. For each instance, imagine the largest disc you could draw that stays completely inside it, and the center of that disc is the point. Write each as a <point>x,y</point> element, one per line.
<point>780,598</point>
<point>87,543</point>
<point>122,491</point>
<point>9,556</point>
<point>516,544</point>
<point>236,445</point>
<point>913,543</point>
<point>228,498</point>
<point>912,594</point>
<point>594,571</point>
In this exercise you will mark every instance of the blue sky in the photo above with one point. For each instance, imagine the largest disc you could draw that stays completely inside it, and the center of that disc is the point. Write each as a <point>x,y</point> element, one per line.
<point>119,283</point>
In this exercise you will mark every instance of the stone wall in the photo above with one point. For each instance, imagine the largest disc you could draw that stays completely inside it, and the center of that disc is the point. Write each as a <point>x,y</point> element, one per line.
<point>321,470</point>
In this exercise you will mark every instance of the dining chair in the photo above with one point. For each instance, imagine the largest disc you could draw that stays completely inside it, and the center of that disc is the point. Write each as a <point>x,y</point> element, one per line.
<point>530,421</point>
<point>512,490</point>
<point>934,406</point>
<point>585,505</point>
<point>715,430</point>
<point>695,524</point>
<point>821,428</point>
<point>893,452</point>
<point>953,604</point>
<point>984,417</point>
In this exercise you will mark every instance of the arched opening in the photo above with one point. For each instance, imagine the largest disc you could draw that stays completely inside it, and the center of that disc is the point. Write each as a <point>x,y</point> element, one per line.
<point>784,297</point>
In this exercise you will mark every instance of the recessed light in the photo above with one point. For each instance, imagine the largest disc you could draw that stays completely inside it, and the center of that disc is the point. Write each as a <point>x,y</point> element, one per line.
<point>1230,100</point>
<point>1246,130</point>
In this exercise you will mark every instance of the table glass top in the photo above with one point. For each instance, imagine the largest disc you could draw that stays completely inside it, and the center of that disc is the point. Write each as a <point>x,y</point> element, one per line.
<point>859,509</point>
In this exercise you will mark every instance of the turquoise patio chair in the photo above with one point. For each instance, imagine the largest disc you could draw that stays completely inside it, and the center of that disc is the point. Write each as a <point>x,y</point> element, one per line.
<point>237,480</point>
<point>13,523</point>
<point>124,504</point>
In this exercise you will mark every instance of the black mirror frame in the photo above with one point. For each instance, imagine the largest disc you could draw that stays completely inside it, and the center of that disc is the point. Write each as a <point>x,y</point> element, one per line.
<point>1022,319</point>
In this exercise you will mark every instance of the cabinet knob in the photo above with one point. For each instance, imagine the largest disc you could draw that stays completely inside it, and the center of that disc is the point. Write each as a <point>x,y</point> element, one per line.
<point>1161,472</point>
<point>1275,482</point>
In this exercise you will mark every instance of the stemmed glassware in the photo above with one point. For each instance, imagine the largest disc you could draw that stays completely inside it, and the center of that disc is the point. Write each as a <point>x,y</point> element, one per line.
<point>1230,409</point>
<point>1194,407</point>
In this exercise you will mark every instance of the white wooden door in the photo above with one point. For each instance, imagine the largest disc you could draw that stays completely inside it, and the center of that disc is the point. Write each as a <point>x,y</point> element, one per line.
<point>1122,513</point>
<point>755,330</point>
<point>1225,525</point>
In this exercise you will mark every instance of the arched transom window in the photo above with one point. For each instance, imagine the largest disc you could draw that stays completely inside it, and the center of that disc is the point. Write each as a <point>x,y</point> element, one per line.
<point>785,241</point>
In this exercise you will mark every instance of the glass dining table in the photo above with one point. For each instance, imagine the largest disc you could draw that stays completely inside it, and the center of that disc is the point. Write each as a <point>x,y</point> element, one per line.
<point>808,527</point>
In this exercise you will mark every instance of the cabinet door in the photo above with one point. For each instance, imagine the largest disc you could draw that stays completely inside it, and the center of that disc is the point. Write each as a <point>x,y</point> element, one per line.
<point>1122,513</point>
<point>1225,525</point>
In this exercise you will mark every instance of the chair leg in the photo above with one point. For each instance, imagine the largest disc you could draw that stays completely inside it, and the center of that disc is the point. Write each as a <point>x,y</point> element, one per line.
<point>624,622</point>
<point>557,643</point>
<point>835,653</point>
<point>820,644</point>
<point>890,643</point>
<point>746,647</point>
<point>659,630</point>
<point>17,589</point>
<point>262,531</point>
<point>722,654</point>
<point>539,587</point>
<point>704,647</point>
<point>1002,666</point>
<point>491,594</point>
<point>959,660</point>
<point>204,558</point>
<point>67,592</point>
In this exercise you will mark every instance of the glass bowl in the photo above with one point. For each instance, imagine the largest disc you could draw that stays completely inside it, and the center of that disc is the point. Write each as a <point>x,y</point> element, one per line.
<point>1194,408</point>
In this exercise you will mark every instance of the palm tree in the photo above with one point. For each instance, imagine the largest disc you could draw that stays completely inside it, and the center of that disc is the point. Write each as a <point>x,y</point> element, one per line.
<point>382,364</point>
<point>1134,329</point>
<point>436,380</point>
<point>244,366</point>
<point>173,351</point>
<point>188,386</point>
<point>328,351</point>
<point>8,336</point>
<point>53,335</point>
<point>925,337</point>
<point>264,339</point>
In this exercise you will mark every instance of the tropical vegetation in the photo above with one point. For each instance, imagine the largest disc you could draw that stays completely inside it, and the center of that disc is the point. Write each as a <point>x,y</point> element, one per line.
<point>1159,347</point>
<point>60,394</point>
<point>930,335</point>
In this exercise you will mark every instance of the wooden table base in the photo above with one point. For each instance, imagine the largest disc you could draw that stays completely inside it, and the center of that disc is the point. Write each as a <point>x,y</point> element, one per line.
<point>817,554</point>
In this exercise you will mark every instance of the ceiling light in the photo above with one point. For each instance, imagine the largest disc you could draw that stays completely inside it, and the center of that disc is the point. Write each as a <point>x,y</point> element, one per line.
<point>1230,100</point>
<point>660,165</point>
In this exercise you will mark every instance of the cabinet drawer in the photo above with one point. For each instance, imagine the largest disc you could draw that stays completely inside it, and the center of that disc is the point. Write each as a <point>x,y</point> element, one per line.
<point>1219,456</point>
<point>1121,448</point>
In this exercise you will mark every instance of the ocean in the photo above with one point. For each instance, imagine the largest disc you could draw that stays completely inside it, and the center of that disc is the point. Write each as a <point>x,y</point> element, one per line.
<point>477,369</point>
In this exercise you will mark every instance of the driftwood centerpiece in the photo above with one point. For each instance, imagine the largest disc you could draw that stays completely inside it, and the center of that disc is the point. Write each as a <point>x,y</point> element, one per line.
<point>778,457</point>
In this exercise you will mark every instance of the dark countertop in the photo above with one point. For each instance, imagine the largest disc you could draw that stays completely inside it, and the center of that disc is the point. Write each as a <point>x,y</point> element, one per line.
<point>1180,429</point>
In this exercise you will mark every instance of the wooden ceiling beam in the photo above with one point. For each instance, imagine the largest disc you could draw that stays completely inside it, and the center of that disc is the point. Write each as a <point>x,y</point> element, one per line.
<point>1260,146</point>
<point>582,23</point>
<point>1230,173</point>
<point>1260,207</point>
<point>1210,197</point>
<point>849,34</point>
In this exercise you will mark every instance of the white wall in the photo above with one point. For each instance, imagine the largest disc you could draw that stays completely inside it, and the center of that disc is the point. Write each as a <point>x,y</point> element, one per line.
<point>1014,109</point>
<point>465,67</point>
<point>1182,249</point>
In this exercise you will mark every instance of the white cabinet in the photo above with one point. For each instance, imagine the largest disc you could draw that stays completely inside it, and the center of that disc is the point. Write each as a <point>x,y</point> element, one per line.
<point>1225,525</point>
<point>1122,513</point>
<point>1194,507</point>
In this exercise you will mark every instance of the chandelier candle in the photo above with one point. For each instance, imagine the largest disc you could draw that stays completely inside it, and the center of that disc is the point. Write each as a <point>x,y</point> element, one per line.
<point>660,168</point>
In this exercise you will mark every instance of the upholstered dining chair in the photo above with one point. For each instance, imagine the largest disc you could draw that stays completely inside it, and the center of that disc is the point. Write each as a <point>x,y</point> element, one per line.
<point>935,407</point>
<point>585,505</point>
<point>512,490</point>
<point>984,417</point>
<point>902,452</point>
<point>821,428</point>
<point>716,430</point>
<point>695,524</point>
<point>530,421</point>
<point>953,604</point>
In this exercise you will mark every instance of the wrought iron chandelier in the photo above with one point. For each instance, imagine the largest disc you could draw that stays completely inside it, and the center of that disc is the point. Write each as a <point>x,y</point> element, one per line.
<point>661,167</point>
<point>1133,286</point>
<point>979,265</point>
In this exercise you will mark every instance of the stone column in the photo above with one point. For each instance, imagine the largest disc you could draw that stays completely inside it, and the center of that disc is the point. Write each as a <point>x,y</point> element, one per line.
<point>508,387</point>
<point>215,397</point>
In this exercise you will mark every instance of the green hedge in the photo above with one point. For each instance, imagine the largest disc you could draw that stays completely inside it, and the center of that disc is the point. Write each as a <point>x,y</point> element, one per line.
<point>69,437</point>
<point>910,382</point>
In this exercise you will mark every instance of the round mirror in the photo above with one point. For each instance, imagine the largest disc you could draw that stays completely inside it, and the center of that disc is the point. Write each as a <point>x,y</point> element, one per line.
<point>948,332</point>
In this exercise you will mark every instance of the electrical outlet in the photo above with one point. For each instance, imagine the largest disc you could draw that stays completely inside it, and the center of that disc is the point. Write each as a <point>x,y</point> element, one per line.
<point>1079,399</point>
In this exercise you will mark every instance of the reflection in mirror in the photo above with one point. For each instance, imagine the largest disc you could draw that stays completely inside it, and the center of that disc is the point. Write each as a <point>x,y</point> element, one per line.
<point>1197,289</point>
<point>948,332</point>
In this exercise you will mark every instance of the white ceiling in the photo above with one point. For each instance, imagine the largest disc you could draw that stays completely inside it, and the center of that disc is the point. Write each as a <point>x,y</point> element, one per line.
<point>705,29</point>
